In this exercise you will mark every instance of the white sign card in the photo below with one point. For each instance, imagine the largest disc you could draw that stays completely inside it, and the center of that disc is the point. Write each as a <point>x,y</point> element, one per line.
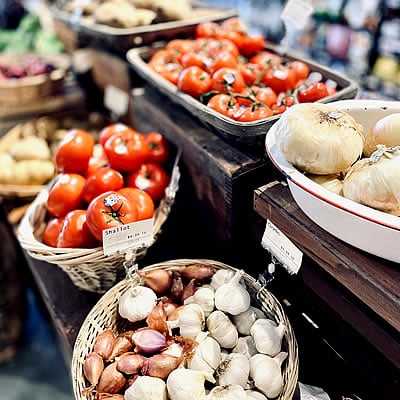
<point>116,100</point>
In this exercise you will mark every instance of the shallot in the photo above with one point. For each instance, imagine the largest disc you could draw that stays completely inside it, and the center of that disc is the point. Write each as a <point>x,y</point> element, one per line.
<point>189,289</point>
<point>149,341</point>
<point>104,344</point>
<point>111,380</point>
<point>160,365</point>
<point>159,280</point>
<point>157,319</point>
<point>130,363</point>
<point>93,367</point>
<point>199,272</point>
<point>122,345</point>
<point>176,286</point>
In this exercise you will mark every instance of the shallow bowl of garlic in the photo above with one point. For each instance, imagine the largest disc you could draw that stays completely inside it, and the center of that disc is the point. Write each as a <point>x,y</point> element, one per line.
<point>212,348</point>
<point>321,197</point>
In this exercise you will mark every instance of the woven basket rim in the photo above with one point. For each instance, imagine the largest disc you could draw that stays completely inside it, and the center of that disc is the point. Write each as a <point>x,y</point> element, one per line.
<point>83,344</point>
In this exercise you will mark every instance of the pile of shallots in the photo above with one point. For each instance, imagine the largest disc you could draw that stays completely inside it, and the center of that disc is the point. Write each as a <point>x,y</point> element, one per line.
<point>194,336</point>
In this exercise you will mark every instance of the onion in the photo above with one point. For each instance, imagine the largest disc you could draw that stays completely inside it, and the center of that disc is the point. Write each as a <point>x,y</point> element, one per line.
<point>93,367</point>
<point>177,286</point>
<point>121,345</point>
<point>159,280</point>
<point>189,290</point>
<point>130,363</point>
<point>104,344</point>
<point>149,341</point>
<point>111,380</point>
<point>199,272</point>
<point>157,319</point>
<point>160,365</point>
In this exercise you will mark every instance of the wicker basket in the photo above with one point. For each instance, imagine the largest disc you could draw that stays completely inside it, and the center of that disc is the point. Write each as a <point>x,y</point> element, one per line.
<point>104,315</point>
<point>89,269</point>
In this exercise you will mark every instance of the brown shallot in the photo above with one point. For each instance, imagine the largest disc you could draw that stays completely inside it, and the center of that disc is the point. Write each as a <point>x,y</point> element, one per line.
<point>159,280</point>
<point>157,319</point>
<point>160,365</point>
<point>199,272</point>
<point>169,307</point>
<point>104,344</point>
<point>122,345</point>
<point>130,363</point>
<point>149,341</point>
<point>189,290</point>
<point>111,380</point>
<point>108,396</point>
<point>177,286</point>
<point>93,367</point>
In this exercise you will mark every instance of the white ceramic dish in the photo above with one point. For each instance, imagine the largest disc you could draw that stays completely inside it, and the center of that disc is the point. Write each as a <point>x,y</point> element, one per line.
<point>370,230</point>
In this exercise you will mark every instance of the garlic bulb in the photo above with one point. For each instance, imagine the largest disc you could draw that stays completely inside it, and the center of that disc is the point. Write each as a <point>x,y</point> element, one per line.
<point>146,388</point>
<point>137,303</point>
<point>224,354</point>
<point>266,373</point>
<point>191,320</point>
<point>318,139</point>
<point>329,182</point>
<point>207,356</point>
<point>386,132</point>
<point>231,392</point>
<point>267,336</point>
<point>174,350</point>
<point>232,297</point>
<point>221,277</point>
<point>204,297</point>
<point>245,320</point>
<point>253,395</point>
<point>222,329</point>
<point>184,384</point>
<point>375,181</point>
<point>246,346</point>
<point>234,370</point>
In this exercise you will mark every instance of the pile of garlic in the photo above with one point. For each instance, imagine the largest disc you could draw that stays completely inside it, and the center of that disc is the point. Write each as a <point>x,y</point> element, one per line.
<point>202,340</point>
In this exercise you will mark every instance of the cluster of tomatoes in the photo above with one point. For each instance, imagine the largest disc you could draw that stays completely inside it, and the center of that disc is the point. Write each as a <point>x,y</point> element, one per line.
<point>100,186</point>
<point>231,72</point>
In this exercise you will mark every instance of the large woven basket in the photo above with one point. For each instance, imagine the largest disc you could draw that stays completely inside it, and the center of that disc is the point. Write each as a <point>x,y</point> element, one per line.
<point>105,315</point>
<point>89,269</point>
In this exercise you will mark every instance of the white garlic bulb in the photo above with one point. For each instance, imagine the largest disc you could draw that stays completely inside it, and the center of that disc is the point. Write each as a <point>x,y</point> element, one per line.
<point>191,320</point>
<point>222,329</point>
<point>245,346</point>
<point>266,373</point>
<point>146,388</point>
<point>267,336</point>
<point>204,297</point>
<point>174,350</point>
<point>329,182</point>
<point>207,356</point>
<point>245,320</point>
<point>137,303</point>
<point>234,370</point>
<point>184,384</point>
<point>253,395</point>
<point>231,392</point>
<point>224,354</point>
<point>232,297</point>
<point>221,277</point>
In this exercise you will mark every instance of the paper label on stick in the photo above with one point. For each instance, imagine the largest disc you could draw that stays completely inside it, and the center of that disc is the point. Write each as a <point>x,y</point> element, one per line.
<point>116,100</point>
<point>126,237</point>
<point>282,248</point>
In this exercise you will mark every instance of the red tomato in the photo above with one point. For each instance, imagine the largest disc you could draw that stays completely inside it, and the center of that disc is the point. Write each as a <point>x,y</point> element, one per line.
<point>278,109</point>
<point>312,93</point>
<point>103,180</point>
<point>288,101</point>
<point>252,113</point>
<point>52,231</point>
<point>144,203</point>
<point>161,58</point>
<point>180,46</point>
<point>246,97</point>
<point>110,130</point>
<point>109,210</point>
<point>207,30</point>
<point>75,232</point>
<point>252,73</point>
<point>126,151</point>
<point>280,79</point>
<point>65,195</point>
<point>194,81</point>
<point>171,72</point>
<point>224,104</point>
<point>267,59</point>
<point>193,59</point>
<point>300,69</point>
<point>150,178</point>
<point>234,25</point>
<point>250,45</point>
<point>235,38</point>
<point>98,160</point>
<point>157,146</point>
<point>228,80</point>
<point>223,60</point>
<point>266,96</point>
<point>74,152</point>
<point>215,48</point>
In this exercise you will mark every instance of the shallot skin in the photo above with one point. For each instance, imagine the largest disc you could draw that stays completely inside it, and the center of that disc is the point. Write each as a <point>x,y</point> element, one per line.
<point>189,290</point>
<point>149,341</point>
<point>157,319</point>
<point>104,344</point>
<point>93,367</point>
<point>122,345</point>
<point>111,380</point>
<point>130,363</point>
<point>160,280</point>
<point>199,272</point>
<point>177,286</point>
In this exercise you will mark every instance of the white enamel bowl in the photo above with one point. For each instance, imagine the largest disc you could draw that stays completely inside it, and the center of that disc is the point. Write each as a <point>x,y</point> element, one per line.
<point>370,230</point>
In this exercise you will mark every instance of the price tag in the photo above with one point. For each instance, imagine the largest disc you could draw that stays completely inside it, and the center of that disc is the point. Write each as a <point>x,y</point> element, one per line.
<point>282,248</point>
<point>130,236</point>
<point>116,100</point>
<point>297,12</point>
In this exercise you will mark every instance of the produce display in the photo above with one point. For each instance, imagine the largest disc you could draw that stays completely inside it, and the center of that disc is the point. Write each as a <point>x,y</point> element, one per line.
<point>330,144</point>
<point>187,333</point>
<point>26,67</point>
<point>232,73</point>
<point>130,13</point>
<point>118,181</point>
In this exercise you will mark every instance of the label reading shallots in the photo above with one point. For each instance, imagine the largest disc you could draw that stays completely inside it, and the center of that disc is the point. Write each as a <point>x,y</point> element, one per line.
<point>131,236</point>
<point>282,248</point>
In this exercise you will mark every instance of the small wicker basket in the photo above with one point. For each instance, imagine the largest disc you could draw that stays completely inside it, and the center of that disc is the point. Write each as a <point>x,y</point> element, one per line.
<point>104,315</point>
<point>89,269</point>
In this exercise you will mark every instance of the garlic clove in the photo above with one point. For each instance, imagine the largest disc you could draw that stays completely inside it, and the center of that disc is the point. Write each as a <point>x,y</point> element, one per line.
<point>137,303</point>
<point>253,395</point>
<point>146,388</point>
<point>230,392</point>
<point>245,320</point>
<point>246,346</point>
<point>234,370</point>
<point>267,336</point>
<point>184,384</point>
<point>222,329</point>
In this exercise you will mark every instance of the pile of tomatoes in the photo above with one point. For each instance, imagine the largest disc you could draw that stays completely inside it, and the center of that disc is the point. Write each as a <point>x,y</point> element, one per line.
<point>230,71</point>
<point>100,186</point>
